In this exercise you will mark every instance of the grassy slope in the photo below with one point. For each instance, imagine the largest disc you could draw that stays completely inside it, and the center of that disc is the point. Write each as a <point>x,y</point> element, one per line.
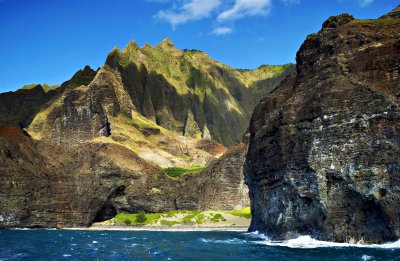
<point>385,21</point>
<point>44,86</point>
<point>181,217</point>
<point>177,172</point>
<point>193,73</point>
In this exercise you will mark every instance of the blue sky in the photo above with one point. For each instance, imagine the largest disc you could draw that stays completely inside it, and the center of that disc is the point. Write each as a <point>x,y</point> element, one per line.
<point>47,41</point>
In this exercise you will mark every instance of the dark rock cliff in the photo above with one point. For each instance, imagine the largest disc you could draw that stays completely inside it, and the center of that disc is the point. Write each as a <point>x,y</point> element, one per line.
<point>220,185</point>
<point>20,107</point>
<point>324,149</point>
<point>44,185</point>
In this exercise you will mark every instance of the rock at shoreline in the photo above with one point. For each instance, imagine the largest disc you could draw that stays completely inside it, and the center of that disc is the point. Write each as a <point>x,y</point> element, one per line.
<point>324,152</point>
<point>45,185</point>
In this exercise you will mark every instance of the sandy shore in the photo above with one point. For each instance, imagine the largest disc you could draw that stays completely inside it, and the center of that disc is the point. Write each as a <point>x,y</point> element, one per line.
<point>163,228</point>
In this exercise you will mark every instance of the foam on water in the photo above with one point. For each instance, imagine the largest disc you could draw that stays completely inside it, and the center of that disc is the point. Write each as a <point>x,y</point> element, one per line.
<point>256,235</point>
<point>309,242</point>
<point>226,241</point>
<point>366,258</point>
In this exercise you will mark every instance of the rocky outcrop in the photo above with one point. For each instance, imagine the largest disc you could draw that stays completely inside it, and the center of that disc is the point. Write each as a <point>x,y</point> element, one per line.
<point>85,184</point>
<point>82,113</point>
<point>19,108</point>
<point>170,86</point>
<point>191,128</point>
<point>323,157</point>
<point>40,188</point>
<point>394,14</point>
<point>220,185</point>
<point>98,142</point>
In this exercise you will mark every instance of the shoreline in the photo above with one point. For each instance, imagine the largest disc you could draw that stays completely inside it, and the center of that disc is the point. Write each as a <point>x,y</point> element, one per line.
<point>161,228</point>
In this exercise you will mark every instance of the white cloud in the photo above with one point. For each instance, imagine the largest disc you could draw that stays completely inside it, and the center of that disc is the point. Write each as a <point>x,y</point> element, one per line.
<point>222,30</point>
<point>243,8</point>
<point>188,11</point>
<point>290,2</point>
<point>223,12</point>
<point>364,3</point>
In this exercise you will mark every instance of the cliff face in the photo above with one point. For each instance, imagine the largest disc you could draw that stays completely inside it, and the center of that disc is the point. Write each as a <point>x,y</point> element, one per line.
<point>169,86</point>
<point>94,182</point>
<point>147,98</point>
<point>323,158</point>
<point>40,188</point>
<point>20,107</point>
<point>220,185</point>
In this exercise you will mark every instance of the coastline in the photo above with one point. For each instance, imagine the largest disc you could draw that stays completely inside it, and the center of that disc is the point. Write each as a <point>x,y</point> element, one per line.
<point>161,228</point>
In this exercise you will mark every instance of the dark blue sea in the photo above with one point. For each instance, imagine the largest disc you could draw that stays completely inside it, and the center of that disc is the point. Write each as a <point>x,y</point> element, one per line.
<point>145,245</point>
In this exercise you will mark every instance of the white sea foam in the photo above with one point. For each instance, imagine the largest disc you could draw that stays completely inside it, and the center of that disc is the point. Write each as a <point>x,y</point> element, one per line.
<point>66,255</point>
<point>366,258</point>
<point>308,242</point>
<point>128,238</point>
<point>21,228</point>
<point>256,235</point>
<point>233,241</point>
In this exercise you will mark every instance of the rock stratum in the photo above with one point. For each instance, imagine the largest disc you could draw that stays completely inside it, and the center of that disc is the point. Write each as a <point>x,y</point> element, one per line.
<point>97,144</point>
<point>42,185</point>
<point>324,148</point>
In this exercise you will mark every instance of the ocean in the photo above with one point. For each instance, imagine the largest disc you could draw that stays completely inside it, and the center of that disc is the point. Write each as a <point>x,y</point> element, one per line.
<point>162,245</point>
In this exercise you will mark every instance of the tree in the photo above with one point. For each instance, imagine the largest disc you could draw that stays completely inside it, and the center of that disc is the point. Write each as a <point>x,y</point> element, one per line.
<point>141,217</point>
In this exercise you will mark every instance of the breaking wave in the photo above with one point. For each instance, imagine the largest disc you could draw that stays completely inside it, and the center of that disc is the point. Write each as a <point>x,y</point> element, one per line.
<point>308,242</point>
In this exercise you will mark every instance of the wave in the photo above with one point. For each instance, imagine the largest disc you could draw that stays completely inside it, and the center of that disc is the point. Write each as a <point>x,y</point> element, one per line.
<point>256,235</point>
<point>234,241</point>
<point>309,242</point>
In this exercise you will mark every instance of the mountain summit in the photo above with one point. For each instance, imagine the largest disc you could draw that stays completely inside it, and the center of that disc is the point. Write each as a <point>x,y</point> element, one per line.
<point>117,131</point>
<point>172,88</point>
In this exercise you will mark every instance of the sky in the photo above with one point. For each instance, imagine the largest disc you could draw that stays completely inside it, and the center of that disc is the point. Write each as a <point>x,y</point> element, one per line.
<point>47,41</point>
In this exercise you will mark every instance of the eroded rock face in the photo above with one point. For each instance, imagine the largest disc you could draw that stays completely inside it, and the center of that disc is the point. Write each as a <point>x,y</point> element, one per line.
<point>323,157</point>
<point>82,113</point>
<point>44,185</point>
<point>49,186</point>
<point>20,107</point>
<point>220,185</point>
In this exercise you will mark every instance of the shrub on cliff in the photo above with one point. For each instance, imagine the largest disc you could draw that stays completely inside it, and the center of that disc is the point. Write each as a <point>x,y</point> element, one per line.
<point>127,222</point>
<point>141,217</point>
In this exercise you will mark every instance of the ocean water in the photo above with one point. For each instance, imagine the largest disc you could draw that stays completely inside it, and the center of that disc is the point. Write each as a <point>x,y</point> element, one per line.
<point>162,245</point>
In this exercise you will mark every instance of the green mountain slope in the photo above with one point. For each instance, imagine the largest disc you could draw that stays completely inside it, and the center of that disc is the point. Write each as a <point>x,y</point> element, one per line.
<point>167,85</point>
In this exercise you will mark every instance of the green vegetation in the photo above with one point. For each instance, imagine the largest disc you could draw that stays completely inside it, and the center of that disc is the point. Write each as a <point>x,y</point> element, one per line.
<point>127,222</point>
<point>244,212</point>
<point>150,218</point>
<point>155,177</point>
<point>141,217</point>
<point>192,51</point>
<point>200,219</point>
<point>217,217</point>
<point>385,21</point>
<point>177,172</point>
<point>44,86</point>
<point>175,217</point>
<point>188,218</point>
<point>121,184</point>
<point>169,223</point>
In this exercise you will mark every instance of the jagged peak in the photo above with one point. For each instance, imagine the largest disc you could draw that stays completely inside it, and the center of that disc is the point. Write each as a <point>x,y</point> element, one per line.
<point>132,45</point>
<point>166,43</point>
<point>87,68</point>
<point>337,21</point>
